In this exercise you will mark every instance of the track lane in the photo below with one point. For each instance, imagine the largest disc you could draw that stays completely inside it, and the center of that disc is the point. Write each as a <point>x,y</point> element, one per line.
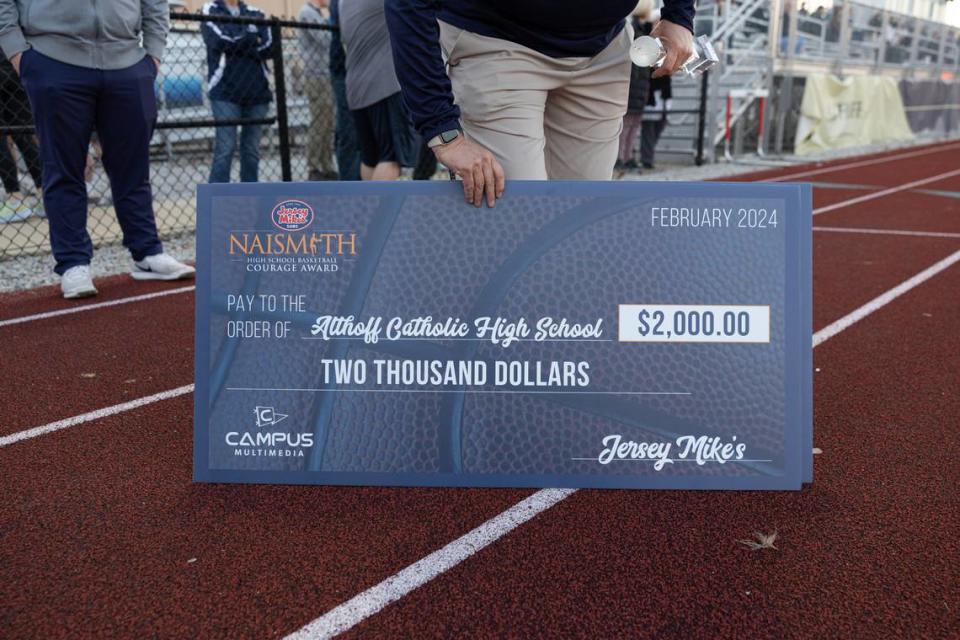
<point>93,550</point>
<point>83,362</point>
<point>15,304</point>
<point>937,155</point>
<point>849,271</point>
<point>65,522</point>
<point>905,210</point>
<point>311,610</point>
<point>862,552</point>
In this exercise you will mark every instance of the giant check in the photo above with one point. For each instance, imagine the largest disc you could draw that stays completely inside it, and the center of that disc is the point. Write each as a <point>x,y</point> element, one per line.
<point>628,334</point>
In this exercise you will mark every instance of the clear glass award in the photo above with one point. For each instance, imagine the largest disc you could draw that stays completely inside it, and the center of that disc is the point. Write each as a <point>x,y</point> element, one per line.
<point>647,51</point>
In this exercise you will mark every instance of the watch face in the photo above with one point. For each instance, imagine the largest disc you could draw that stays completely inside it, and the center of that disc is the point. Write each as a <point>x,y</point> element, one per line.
<point>447,136</point>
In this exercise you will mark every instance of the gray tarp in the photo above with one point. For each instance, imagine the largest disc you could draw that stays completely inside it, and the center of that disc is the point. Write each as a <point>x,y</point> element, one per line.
<point>931,104</point>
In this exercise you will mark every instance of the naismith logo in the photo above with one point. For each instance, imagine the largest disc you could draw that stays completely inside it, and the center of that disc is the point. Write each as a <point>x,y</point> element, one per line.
<point>292,215</point>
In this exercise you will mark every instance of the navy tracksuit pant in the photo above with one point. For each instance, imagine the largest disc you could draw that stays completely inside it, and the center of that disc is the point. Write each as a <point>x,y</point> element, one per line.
<point>69,103</point>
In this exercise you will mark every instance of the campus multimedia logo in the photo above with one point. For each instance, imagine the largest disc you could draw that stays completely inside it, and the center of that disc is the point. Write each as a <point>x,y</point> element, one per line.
<point>268,444</point>
<point>268,416</point>
<point>292,215</point>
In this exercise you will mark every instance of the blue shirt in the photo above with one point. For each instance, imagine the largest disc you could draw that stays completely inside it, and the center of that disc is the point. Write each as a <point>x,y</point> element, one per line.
<point>556,28</point>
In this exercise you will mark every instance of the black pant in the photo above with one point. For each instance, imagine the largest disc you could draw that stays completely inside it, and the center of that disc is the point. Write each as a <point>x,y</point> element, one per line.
<point>650,132</point>
<point>69,102</point>
<point>15,112</point>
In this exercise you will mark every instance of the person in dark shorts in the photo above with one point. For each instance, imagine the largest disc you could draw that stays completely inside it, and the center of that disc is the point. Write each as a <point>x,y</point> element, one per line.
<point>384,131</point>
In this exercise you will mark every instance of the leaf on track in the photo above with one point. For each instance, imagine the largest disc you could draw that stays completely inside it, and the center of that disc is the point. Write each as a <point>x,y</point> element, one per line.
<point>762,541</point>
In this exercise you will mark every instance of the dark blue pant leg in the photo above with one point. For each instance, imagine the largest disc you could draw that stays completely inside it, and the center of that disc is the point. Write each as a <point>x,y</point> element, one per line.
<point>126,115</point>
<point>347,148</point>
<point>64,99</point>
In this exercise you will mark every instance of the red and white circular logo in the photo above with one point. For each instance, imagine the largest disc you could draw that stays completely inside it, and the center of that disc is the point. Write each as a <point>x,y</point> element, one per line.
<point>292,215</point>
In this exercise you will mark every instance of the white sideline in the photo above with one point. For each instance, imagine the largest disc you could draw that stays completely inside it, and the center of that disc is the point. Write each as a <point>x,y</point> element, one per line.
<point>861,163</point>
<point>889,232</point>
<point>93,415</point>
<point>882,300</point>
<point>886,192</point>
<point>360,607</point>
<point>363,605</point>
<point>91,307</point>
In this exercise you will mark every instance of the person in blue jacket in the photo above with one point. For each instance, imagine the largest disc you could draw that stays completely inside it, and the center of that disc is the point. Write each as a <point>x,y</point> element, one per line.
<point>237,76</point>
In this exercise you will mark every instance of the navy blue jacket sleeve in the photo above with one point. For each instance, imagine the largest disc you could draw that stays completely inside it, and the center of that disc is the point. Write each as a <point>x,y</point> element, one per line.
<point>226,37</point>
<point>415,39</point>
<point>679,12</point>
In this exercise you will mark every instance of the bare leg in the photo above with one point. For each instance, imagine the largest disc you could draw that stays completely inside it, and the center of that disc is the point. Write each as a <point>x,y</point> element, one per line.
<point>386,171</point>
<point>366,172</point>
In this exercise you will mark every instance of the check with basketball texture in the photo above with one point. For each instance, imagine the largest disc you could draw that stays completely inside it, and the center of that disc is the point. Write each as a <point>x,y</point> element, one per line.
<point>638,335</point>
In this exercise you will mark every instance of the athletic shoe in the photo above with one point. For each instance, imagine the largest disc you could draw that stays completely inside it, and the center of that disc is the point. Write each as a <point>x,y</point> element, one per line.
<point>14,211</point>
<point>76,283</point>
<point>161,267</point>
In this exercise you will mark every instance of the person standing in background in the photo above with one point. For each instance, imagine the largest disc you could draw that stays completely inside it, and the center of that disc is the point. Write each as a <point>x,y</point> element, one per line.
<point>237,76</point>
<point>637,97</point>
<point>315,48</point>
<point>81,76</point>
<point>658,107</point>
<point>345,138</point>
<point>15,112</point>
<point>386,137</point>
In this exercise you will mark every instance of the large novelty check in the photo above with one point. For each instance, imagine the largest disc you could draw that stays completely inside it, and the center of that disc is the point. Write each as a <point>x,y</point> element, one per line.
<point>628,334</point>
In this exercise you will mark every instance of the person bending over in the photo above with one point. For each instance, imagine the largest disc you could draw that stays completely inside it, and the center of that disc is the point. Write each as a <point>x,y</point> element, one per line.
<point>520,89</point>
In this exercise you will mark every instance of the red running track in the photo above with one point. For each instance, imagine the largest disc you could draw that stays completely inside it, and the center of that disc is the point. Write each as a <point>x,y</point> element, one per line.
<point>102,533</point>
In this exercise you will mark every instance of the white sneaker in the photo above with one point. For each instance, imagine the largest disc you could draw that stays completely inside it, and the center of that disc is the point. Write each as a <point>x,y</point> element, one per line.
<point>76,283</point>
<point>161,267</point>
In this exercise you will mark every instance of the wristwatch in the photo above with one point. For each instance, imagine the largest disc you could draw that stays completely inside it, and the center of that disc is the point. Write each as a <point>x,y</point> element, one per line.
<point>444,137</point>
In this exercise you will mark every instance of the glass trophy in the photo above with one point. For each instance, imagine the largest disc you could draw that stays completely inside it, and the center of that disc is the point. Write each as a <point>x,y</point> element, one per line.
<point>647,51</point>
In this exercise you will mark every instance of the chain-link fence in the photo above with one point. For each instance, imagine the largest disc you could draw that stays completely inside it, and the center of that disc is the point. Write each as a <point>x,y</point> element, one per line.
<point>237,98</point>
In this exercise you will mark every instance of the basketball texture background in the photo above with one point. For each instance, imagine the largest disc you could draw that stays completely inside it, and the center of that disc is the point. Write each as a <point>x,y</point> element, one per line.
<point>557,249</point>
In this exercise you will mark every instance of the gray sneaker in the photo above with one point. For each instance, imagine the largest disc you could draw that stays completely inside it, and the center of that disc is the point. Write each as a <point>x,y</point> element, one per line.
<point>161,267</point>
<point>76,283</point>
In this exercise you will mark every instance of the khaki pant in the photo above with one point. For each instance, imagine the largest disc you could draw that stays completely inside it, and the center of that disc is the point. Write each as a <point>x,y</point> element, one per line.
<point>320,133</point>
<point>541,117</point>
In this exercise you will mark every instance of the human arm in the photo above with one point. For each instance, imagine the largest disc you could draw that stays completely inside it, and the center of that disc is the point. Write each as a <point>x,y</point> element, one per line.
<point>155,25</point>
<point>427,93</point>
<point>675,31</point>
<point>226,37</point>
<point>11,36</point>
<point>265,42</point>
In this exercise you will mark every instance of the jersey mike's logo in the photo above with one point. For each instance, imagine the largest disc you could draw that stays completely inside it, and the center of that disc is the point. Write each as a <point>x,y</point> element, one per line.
<point>292,215</point>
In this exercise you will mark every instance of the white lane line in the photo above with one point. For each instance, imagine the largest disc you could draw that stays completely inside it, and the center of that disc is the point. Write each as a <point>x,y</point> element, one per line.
<point>93,415</point>
<point>886,192</point>
<point>91,307</point>
<point>362,606</point>
<point>374,599</point>
<point>861,163</point>
<point>882,300</point>
<point>889,232</point>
